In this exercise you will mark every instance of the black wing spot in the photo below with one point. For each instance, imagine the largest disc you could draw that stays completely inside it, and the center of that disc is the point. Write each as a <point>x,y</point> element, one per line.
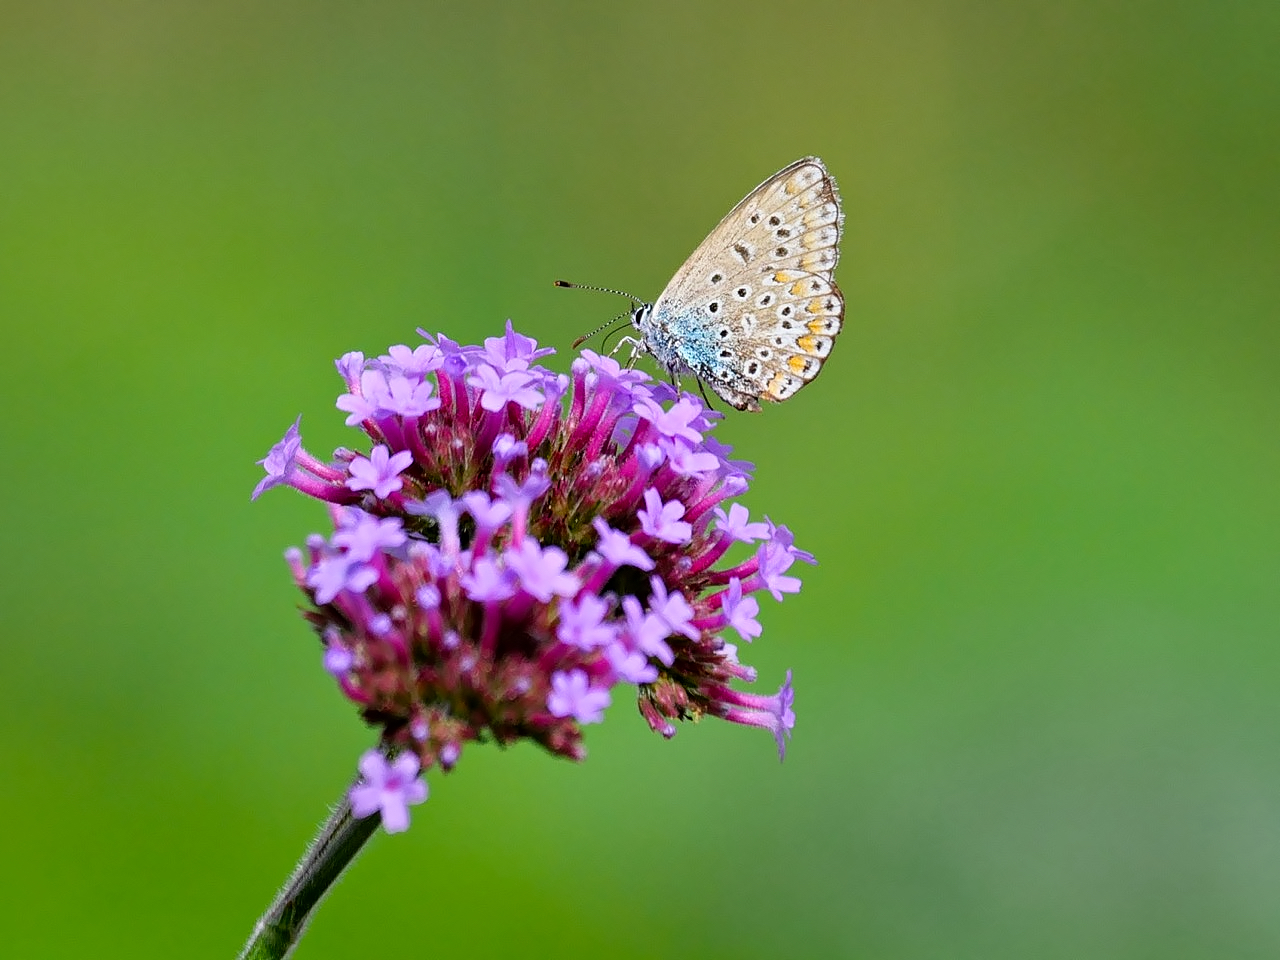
<point>743,252</point>
<point>717,277</point>
<point>774,220</point>
<point>713,306</point>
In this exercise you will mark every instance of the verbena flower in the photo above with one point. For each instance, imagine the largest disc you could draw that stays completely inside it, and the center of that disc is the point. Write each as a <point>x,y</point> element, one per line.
<point>518,543</point>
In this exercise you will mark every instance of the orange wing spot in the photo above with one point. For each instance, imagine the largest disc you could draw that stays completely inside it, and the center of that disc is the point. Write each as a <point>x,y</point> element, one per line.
<point>815,305</point>
<point>823,325</point>
<point>798,288</point>
<point>807,343</point>
<point>785,276</point>
<point>798,364</point>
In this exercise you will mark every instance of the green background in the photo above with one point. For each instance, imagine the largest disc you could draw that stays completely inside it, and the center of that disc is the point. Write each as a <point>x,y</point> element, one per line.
<point>1036,669</point>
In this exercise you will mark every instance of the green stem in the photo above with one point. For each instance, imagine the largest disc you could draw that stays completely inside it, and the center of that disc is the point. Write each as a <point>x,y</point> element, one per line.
<point>335,846</point>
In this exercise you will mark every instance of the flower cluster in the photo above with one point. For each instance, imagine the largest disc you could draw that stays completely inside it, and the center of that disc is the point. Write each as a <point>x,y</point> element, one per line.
<point>515,544</point>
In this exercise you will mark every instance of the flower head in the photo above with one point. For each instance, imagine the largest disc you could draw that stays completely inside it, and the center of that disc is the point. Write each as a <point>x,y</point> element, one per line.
<point>516,544</point>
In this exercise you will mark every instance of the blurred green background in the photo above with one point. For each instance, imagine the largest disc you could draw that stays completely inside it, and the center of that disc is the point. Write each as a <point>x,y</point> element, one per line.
<point>1037,667</point>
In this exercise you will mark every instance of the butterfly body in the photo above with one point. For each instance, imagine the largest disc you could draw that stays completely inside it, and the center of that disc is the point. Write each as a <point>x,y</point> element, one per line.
<point>754,310</point>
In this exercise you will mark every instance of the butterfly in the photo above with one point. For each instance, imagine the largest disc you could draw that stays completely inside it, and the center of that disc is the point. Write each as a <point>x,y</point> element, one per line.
<point>754,311</point>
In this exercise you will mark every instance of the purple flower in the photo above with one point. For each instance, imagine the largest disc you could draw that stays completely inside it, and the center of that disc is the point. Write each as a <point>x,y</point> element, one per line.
<point>618,549</point>
<point>331,575</point>
<point>735,526</point>
<point>572,696</point>
<point>513,543</point>
<point>775,561</point>
<point>408,398</point>
<point>427,596</point>
<point>689,462</point>
<point>488,581</point>
<point>506,448</point>
<point>365,403</point>
<point>541,572</point>
<point>338,660</point>
<point>672,609</point>
<point>488,514</point>
<point>775,713</point>
<point>498,389</point>
<point>630,665</point>
<point>648,633</point>
<point>350,366</point>
<point>784,538</point>
<point>362,535</point>
<point>513,346</point>
<point>740,612</point>
<point>662,520</point>
<point>582,624</point>
<point>279,461</point>
<point>521,495</point>
<point>380,472</point>
<point>676,423</point>
<point>388,788</point>
<point>651,456</point>
<point>416,363</point>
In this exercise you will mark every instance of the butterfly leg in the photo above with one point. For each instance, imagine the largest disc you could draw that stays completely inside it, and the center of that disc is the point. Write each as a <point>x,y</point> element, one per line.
<point>637,348</point>
<point>702,389</point>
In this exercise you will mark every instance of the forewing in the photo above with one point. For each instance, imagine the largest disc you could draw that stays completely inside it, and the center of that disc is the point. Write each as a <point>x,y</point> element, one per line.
<point>762,283</point>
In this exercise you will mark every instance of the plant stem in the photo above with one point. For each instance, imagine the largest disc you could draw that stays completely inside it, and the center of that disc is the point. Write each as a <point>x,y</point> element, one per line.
<point>335,846</point>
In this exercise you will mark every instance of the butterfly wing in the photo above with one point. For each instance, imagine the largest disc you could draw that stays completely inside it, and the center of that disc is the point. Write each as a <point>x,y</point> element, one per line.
<point>754,311</point>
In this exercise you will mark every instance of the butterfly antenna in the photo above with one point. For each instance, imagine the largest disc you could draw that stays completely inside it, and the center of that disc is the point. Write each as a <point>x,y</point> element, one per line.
<point>625,315</point>
<point>604,326</point>
<point>586,286</point>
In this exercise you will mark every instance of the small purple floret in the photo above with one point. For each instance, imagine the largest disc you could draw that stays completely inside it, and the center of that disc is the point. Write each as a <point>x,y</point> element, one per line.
<point>380,472</point>
<point>279,461</point>
<point>572,696</point>
<point>388,788</point>
<point>662,520</point>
